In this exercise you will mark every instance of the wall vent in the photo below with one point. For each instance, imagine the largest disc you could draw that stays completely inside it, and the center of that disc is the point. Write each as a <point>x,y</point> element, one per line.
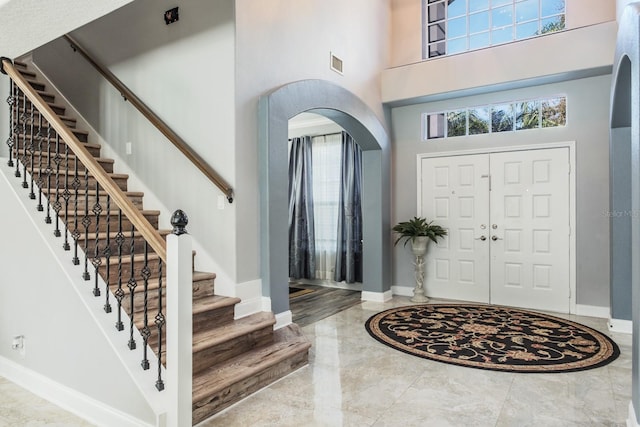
<point>336,63</point>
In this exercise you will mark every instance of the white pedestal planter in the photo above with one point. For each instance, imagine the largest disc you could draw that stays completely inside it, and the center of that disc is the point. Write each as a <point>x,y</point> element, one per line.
<point>419,248</point>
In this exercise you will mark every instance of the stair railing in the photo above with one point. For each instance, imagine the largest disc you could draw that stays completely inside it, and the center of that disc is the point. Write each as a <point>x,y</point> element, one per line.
<point>47,154</point>
<point>173,137</point>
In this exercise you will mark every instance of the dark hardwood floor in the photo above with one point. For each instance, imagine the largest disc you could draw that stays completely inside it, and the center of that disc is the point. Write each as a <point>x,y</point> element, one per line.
<point>322,302</point>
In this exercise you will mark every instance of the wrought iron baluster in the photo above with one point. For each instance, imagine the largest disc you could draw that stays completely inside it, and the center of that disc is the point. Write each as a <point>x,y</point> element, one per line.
<point>119,293</point>
<point>31,149</point>
<point>27,124</point>
<point>86,222</point>
<point>131,284</point>
<point>13,102</point>
<point>145,332</point>
<point>66,194</point>
<point>107,257</point>
<point>40,180</point>
<point>97,261</point>
<point>57,205</point>
<point>47,172</point>
<point>160,322</point>
<point>75,184</point>
<point>22,121</point>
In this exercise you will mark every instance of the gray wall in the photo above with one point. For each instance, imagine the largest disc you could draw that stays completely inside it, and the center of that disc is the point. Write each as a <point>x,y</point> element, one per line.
<point>4,115</point>
<point>185,73</point>
<point>587,124</point>
<point>283,41</point>
<point>204,75</point>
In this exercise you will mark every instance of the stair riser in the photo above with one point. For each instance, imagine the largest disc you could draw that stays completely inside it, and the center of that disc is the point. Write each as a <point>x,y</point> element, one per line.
<point>204,321</point>
<point>225,398</point>
<point>94,150</point>
<point>91,201</point>
<point>225,351</point>
<point>58,180</point>
<point>81,136</point>
<point>126,272</point>
<point>46,97</point>
<point>200,288</point>
<point>138,245</point>
<point>102,225</point>
<point>41,162</point>
<point>34,84</point>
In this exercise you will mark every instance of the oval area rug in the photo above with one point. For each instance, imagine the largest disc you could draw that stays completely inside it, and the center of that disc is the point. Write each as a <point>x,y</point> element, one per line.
<point>492,337</point>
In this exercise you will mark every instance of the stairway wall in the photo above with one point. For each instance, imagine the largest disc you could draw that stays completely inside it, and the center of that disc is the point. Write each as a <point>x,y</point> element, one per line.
<point>64,343</point>
<point>185,73</point>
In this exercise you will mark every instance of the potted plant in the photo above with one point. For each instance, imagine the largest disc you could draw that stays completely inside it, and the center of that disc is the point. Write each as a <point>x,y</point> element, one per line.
<point>419,232</point>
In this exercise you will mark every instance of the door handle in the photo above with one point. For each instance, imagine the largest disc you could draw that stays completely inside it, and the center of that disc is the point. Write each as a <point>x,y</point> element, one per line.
<point>483,238</point>
<point>494,238</point>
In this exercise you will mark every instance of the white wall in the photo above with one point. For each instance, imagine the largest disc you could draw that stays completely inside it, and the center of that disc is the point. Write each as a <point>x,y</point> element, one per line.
<point>282,41</point>
<point>185,73</point>
<point>38,300</point>
<point>406,35</point>
<point>28,24</point>
<point>587,124</point>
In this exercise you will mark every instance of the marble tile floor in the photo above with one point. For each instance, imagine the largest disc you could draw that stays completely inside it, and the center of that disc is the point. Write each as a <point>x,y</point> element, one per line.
<point>352,380</point>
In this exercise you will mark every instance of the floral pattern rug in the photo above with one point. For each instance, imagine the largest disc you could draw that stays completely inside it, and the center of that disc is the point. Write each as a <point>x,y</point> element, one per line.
<point>492,337</point>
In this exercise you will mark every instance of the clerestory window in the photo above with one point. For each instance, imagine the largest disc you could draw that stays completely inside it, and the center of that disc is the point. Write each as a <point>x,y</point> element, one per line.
<point>454,26</point>
<point>504,117</point>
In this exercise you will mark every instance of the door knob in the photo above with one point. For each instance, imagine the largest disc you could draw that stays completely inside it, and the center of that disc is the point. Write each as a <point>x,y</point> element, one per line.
<point>494,238</point>
<point>483,238</point>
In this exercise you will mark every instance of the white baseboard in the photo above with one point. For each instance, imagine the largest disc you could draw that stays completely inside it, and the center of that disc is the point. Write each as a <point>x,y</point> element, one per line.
<point>405,291</point>
<point>67,398</point>
<point>376,296</point>
<point>631,420</point>
<point>283,319</point>
<point>251,295</point>
<point>593,311</point>
<point>620,326</point>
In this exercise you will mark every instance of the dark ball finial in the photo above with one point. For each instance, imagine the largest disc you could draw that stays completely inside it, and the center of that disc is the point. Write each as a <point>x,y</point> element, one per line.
<point>179,220</point>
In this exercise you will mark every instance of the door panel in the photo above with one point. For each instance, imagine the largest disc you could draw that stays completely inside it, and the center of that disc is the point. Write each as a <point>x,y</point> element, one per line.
<point>530,212</point>
<point>455,196</point>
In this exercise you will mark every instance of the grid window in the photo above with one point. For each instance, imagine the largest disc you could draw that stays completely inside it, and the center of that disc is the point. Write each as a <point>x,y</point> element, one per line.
<point>496,118</point>
<point>454,26</point>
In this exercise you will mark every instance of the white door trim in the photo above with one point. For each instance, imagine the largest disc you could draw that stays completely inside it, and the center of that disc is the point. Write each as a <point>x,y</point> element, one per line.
<point>572,193</point>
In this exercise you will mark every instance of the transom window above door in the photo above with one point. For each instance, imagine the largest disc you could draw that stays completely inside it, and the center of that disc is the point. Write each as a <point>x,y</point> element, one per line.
<point>455,26</point>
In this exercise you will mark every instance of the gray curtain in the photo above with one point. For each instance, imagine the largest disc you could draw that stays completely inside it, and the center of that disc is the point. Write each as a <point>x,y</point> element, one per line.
<point>349,251</point>
<point>302,263</point>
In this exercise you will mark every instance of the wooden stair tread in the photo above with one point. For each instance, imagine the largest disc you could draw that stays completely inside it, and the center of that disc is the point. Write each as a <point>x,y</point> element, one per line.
<point>73,156</point>
<point>213,302</point>
<point>81,173</point>
<point>238,327</point>
<point>51,104</point>
<point>287,342</point>
<point>153,282</point>
<point>114,213</point>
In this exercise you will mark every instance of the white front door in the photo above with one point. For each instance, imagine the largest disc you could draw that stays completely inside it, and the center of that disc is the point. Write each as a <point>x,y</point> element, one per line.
<point>508,220</point>
<point>530,224</point>
<point>455,195</point>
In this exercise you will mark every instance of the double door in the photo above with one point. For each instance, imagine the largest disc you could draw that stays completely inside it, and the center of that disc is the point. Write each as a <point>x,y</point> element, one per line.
<point>508,221</point>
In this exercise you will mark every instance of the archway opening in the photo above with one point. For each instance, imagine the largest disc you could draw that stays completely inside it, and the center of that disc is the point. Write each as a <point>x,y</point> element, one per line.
<point>620,212</point>
<point>357,119</point>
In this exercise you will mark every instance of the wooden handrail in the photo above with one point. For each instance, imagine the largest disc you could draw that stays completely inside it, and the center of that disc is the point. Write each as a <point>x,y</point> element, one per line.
<point>175,139</point>
<point>150,234</point>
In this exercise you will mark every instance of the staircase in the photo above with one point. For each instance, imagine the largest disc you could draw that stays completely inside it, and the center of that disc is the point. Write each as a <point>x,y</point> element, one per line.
<point>232,358</point>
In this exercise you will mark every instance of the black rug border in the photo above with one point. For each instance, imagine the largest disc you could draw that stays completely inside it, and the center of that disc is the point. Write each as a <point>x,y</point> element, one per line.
<point>615,354</point>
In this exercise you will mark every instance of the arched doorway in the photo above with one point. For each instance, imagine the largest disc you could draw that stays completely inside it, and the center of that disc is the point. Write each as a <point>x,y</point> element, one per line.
<point>625,184</point>
<point>348,111</point>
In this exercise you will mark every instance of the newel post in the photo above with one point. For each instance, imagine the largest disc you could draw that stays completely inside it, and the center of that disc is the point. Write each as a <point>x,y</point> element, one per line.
<point>179,323</point>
